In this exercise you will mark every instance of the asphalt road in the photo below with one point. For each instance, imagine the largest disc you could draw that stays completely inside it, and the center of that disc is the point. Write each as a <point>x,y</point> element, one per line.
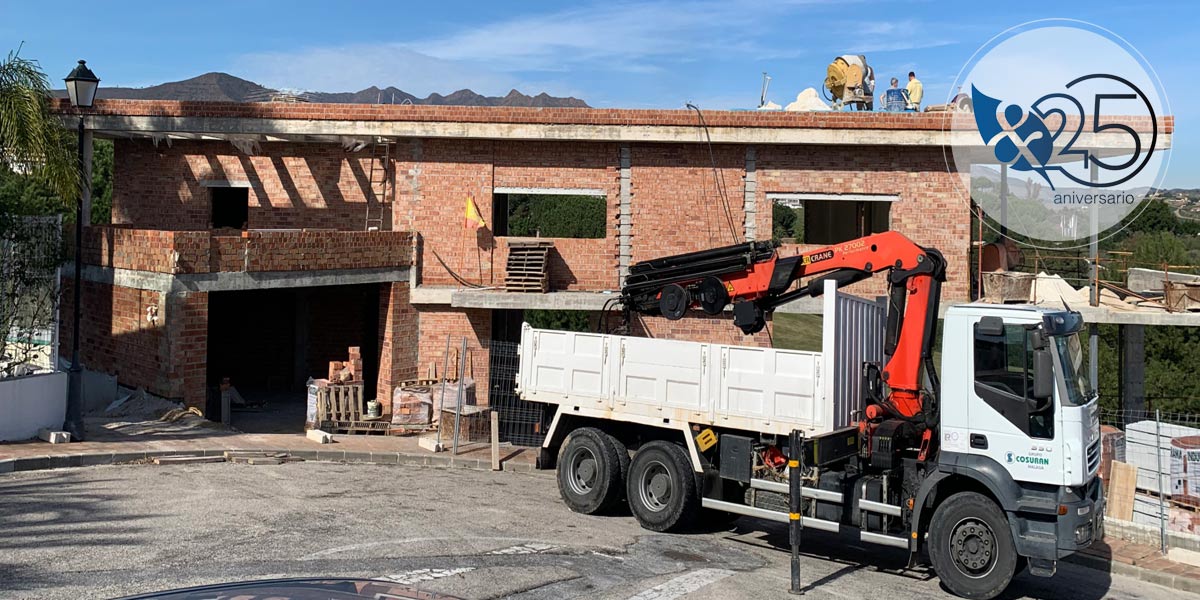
<point>112,531</point>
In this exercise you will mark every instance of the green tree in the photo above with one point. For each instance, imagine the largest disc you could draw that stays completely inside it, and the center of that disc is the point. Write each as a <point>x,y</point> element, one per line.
<point>102,168</point>
<point>787,222</point>
<point>562,320</point>
<point>557,216</point>
<point>1157,248</point>
<point>33,141</point>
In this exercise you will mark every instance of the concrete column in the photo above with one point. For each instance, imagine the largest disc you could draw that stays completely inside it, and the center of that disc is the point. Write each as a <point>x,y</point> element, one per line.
<point>625,217</point>
<point>1133,368</point>
<point>87,177</point>
<point>750,204</point>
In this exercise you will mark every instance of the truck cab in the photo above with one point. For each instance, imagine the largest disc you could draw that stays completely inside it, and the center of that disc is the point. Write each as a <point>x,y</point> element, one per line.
<point>1017,416</point>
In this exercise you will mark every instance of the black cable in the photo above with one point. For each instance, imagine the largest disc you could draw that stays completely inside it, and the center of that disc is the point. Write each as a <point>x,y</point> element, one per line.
<point>456,276</point>
<point>718,176</point>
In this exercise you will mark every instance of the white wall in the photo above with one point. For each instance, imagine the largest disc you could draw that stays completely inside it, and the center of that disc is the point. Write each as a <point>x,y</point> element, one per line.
<point>29,403</point>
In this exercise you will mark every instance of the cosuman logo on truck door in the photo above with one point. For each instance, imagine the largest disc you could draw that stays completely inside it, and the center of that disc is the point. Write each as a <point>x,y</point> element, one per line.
<point>1027,460</point>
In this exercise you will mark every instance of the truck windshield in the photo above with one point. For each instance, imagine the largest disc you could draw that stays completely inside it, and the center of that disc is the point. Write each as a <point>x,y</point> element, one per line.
<point>1070,355</point>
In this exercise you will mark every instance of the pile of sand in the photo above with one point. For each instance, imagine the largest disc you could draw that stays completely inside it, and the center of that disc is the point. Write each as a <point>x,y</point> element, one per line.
<point>807,101</point>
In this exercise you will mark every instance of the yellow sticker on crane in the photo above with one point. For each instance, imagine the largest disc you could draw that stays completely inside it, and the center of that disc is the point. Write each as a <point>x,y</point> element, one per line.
<point>706,439</point>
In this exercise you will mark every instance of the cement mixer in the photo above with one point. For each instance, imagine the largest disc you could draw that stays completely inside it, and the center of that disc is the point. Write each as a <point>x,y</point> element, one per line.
<point>850,81</point>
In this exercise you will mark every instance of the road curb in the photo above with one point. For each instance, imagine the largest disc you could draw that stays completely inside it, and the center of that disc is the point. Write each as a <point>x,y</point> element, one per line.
<point>1167,580</point>
<point>90,459</point>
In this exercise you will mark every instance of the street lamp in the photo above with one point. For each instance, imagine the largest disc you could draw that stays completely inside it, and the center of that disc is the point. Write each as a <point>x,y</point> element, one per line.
<point>81,87</point>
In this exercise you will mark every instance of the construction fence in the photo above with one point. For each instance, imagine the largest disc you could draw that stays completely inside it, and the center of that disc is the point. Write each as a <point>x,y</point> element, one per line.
<point>1150,464</point>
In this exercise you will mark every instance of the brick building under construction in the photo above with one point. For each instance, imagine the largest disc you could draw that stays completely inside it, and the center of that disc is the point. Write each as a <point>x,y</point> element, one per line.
<point>259,241</point>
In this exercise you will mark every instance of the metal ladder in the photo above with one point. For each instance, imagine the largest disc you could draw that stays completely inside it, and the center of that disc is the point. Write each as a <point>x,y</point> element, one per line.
<point>380,184</point>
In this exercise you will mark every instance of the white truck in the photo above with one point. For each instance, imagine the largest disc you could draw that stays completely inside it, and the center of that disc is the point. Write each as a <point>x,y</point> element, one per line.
<point>992,469</point>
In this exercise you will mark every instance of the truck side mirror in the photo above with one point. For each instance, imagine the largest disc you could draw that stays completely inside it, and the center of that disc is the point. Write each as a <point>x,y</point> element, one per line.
<point>1043,377</point>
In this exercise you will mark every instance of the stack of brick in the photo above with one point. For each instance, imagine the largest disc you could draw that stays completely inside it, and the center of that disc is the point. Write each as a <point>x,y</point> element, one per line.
<point>412,405</point>
<point>347,371</point>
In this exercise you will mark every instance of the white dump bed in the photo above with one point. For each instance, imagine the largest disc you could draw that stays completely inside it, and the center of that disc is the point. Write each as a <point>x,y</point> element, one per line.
<point>756,389</point>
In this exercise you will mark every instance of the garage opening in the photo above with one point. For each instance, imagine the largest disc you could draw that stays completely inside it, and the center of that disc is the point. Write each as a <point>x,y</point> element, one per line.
<point>268,343</point>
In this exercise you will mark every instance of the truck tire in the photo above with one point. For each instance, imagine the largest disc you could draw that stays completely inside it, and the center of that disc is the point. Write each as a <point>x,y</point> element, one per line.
<point>971,546</point>
<point>591,471</point>
<point>662,488</point>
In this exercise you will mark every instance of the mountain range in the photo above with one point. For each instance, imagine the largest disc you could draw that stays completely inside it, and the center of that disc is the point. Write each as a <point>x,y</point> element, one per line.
<point>223,87</point>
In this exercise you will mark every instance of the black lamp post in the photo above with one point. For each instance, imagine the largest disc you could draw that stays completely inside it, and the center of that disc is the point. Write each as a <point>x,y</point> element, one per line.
<point>81,87</point>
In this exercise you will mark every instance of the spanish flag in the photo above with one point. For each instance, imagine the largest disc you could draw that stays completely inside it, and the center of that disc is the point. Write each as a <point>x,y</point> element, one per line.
<point>473,219</point>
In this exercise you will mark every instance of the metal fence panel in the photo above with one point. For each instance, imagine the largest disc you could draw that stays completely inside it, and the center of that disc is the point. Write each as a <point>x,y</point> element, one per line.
<point>522,423</point>
<point>1165,450</point>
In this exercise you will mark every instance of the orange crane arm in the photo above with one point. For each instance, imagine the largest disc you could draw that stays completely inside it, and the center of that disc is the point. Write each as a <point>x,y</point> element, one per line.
<point>915,275</point>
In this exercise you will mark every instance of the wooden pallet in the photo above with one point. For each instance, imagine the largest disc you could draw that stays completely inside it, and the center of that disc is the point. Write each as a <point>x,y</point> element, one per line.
<point>340,410</point>
<point>526,270</point>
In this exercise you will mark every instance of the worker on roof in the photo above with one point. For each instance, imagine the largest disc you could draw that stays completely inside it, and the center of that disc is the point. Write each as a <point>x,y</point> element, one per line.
<point>916,91</point>
<point>894,99</point>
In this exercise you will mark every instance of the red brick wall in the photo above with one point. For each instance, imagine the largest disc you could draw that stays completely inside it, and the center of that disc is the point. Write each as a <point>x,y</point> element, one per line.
<point>435,177</point>
<point>163,251</point>
<point>932,208</point>
<point>159,251</point>
<point>310,250</point>
<point>398,340</point>
<point>473,324</point>
<point>290,185</point>
<point>676,206</point>
<point>165,356</point>
<point>188,327</point>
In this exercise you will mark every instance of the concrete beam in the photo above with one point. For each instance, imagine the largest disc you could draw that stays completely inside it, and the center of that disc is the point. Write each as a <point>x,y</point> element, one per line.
<point>1150,280</point>
<point>235,281</point>
<point>510,300</point>
<point>323,129</point>
<point>430,295</point>
<point>524,131</point>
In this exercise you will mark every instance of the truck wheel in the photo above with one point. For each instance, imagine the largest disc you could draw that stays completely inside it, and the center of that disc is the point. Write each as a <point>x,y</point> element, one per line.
<point>971,546</point>
<point>662,488</point>
<point>591,471</point>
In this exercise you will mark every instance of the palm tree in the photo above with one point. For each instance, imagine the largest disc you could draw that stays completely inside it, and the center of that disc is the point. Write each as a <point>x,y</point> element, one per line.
<point>32,139</point>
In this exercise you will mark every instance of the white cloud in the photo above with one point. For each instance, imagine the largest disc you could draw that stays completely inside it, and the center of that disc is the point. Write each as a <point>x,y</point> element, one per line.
<point>541,51</point>
<point>617,36</point>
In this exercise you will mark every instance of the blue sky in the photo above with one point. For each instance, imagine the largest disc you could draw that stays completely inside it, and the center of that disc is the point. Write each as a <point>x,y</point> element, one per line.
<point>610,53</point>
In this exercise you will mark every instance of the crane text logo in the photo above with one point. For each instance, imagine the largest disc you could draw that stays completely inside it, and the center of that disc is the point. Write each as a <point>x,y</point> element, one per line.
<point>1069,145</point>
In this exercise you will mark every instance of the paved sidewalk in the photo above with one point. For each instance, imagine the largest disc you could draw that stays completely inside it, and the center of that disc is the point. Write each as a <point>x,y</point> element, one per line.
<point>114,442</point>
<point>1141,562</point>
<point>111,442</point>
